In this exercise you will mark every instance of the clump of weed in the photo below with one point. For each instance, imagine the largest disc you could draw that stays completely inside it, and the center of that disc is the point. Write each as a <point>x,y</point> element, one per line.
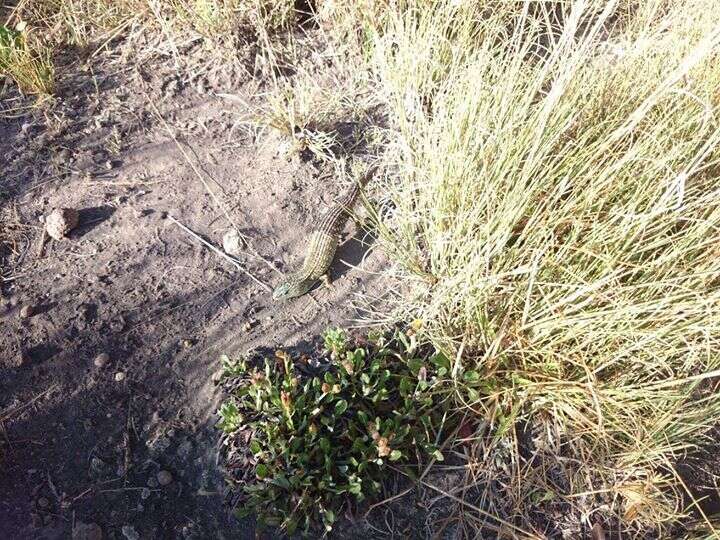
<point>320,444</point>
<point>26,61</point>
<point>554,221</point>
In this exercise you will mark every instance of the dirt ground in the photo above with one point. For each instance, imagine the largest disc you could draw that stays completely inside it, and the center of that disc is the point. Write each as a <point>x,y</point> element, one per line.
<point>83,444</point>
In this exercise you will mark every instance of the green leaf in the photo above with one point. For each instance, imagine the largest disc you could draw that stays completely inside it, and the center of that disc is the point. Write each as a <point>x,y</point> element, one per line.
<point>471,376</point>
<point>281,481</point>
<point>415,364</point>
<point>440,360</point>
<point>340,407</point>
<point>243,511</point>
<point>262,471</point>
<point>255,447</point>
<point>291,526</point>
<point>324,444</point>
<point>395,455</point>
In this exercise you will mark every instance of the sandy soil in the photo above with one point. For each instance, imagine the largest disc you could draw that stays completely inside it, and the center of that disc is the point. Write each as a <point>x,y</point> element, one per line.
<point>84,444</point>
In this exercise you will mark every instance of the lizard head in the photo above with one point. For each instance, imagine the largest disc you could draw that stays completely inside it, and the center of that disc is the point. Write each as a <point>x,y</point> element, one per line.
<point>291,288</point>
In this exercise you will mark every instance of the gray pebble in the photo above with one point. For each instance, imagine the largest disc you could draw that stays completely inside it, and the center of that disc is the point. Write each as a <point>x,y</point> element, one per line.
<point>130,533</point>
<point>101,360</point>
<point>164,478</point>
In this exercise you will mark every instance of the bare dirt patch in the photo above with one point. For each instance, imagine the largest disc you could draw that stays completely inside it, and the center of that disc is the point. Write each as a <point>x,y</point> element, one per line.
<point>127,442</point>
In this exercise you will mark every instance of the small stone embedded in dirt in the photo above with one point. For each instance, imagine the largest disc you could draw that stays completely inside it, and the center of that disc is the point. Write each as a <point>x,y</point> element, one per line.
<point>97,467</point>
<point>119,376</point>
<point>164,478</point>
<point>232,243</point>
<point>145,494</point>
<point>130,533</point>
<point>27,311</point>
<point>117,325</point>
<point>101,360</point>
<point>86,531</point>
<point>187,343</point>
<point>158,446</point>
<point>22,357</point>
<point>61,221</point>
<point>183,451</point>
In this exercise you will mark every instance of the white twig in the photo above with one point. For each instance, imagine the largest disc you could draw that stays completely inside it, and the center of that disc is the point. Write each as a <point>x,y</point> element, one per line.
<point>220,252</point>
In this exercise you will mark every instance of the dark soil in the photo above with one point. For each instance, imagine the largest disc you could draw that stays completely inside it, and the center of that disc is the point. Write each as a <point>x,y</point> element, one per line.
<point>83,444</point>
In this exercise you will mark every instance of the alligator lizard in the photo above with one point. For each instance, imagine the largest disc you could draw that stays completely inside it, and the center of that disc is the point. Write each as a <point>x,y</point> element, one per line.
<point>323,244</point>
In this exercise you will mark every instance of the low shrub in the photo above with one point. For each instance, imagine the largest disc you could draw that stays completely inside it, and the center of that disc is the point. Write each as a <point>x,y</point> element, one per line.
<point>321,444</point>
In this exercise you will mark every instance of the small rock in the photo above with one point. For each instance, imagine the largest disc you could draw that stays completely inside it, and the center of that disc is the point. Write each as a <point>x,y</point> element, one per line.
<point>164,478</point>
<point>101,360</point>
<point>43,502</point>
<point>61,221</point>
<point>117,325</point>
<point>130,533</point>
<point>86,531</point>
<point>232,243</point>
<point>247,326</point>
<point>183,451</point>
<point>158,446</point>
<point>22,357</point>
<point>145,494</point>
<point>97,467</point>
<point>187,343</point>
<point>119,376</point>
<point>27,311</point>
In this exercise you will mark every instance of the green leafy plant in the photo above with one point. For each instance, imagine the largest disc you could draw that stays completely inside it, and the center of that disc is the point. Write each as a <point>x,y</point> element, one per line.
<point>322,443</point>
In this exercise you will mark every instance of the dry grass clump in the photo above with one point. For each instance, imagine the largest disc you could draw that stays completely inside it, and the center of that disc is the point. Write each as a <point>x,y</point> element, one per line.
<point>555,222</point>
<point>26,60</point>
<point>86,23</point>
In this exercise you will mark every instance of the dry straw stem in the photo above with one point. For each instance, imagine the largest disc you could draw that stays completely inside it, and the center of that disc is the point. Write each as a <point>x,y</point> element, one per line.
<point>557,210</point>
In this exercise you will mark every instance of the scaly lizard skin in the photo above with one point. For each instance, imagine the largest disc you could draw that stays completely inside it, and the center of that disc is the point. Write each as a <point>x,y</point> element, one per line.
<point>323,245</point>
